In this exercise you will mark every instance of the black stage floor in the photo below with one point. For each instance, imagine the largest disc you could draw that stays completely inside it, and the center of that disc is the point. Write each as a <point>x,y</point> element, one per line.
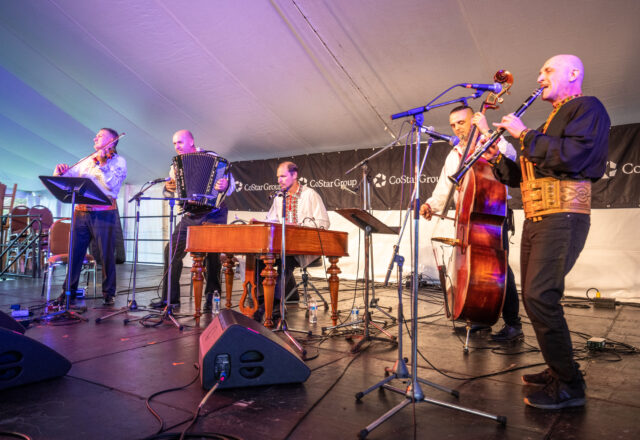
<point>117,367</point>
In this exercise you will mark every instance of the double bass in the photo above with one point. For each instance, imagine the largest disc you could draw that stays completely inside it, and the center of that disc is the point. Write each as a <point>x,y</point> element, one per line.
<point>477,273</point>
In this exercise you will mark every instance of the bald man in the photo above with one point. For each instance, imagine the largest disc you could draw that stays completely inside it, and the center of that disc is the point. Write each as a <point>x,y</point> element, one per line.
<point>559,161</point>
<point>184,143</point>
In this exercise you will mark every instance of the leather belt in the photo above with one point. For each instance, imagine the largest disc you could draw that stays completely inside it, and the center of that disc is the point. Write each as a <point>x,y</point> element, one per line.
<point>91,208</point>
<point>549,196</point>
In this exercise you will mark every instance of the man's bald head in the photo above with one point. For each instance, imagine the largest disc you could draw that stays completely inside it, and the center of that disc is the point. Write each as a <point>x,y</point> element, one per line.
<point>183,142</point>
<point>562,76</point>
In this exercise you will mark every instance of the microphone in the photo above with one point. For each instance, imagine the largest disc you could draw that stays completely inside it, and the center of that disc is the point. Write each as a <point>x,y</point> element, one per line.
<point>344,188</point>
<point>161,179</point>
<point>495,87</point>
<point>453,140</point>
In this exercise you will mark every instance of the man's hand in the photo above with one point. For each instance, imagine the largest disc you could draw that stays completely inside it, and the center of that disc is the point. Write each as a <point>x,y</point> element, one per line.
<point>480,121</point>
<point>512,124</point>
<point>426,211</point>
<point>170,186</point>
<point>61,168</point>
<point>221,185</point>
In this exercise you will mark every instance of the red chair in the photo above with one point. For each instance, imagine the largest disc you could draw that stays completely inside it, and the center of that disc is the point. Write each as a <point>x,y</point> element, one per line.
<point>59,254</point>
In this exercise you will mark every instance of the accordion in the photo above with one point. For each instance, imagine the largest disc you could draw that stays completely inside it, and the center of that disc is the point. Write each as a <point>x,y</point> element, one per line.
<point>196,178</point>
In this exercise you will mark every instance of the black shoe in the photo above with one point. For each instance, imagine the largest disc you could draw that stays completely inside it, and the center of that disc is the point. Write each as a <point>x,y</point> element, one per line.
<point>508,334</point>
<point>542,378</point>
<point>557,395</point>
<point>109,300</point>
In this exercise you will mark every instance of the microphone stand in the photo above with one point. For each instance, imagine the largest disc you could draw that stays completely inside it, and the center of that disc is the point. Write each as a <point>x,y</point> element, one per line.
<point>413,393</point>
<point>167,312</point>
<point>282,325</point>
<point>132,305</point>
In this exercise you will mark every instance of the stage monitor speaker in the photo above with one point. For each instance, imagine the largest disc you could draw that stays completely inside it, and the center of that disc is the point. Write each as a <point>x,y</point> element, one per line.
<point>24,360</point>
<point>9,323</point>
<point>249,353</point>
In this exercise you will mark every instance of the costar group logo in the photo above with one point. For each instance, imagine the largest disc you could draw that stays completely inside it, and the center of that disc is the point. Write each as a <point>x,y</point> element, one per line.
<point>380,180</point>
<point>302,180</point>
<point>238,186</point>
<point>611,170</point>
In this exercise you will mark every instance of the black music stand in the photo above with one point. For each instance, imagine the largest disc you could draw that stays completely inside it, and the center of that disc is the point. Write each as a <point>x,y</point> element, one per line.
<point>370,225</point>
<point>73,190</point>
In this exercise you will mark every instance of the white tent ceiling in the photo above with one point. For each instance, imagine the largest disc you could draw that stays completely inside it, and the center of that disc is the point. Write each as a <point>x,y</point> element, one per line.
<point>266,78</point>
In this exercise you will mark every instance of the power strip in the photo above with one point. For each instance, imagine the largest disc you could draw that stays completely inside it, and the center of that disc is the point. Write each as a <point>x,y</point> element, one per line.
<point>604,303</point>
<point>596,344</point>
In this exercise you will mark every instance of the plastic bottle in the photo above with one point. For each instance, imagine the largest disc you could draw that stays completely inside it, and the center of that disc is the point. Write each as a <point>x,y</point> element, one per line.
<point>355,317</point>
<point>216,303</point>
<point>313,311</point>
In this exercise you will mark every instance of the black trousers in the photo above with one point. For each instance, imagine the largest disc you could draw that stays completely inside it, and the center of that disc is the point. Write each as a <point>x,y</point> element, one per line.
<point>179,242</point>
<point>549,250</point>
<point>100,226</point>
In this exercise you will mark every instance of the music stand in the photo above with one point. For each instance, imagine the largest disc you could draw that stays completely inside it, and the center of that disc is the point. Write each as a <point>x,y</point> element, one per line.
<point>370,225</point>
<point>73,190</point>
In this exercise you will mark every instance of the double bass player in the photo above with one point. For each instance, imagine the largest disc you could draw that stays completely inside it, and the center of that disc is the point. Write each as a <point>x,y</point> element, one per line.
<point>461,120</point>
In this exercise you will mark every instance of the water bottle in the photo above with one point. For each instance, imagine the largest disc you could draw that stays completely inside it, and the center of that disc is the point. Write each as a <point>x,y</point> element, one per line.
<point>313,311</point>
<point>216,303</point>
<point>354,317</point>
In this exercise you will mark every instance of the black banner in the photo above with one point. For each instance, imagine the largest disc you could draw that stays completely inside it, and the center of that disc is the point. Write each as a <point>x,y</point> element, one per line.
<point>391,176</point>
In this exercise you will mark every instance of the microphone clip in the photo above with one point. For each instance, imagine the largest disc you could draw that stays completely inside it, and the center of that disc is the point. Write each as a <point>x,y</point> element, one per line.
<point>162,179</point>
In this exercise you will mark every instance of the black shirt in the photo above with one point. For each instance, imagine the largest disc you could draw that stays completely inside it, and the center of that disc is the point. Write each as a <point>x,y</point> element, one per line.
<point>574,147</point>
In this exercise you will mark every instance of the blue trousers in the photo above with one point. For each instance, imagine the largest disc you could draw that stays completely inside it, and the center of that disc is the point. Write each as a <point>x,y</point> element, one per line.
<point>101,226</point>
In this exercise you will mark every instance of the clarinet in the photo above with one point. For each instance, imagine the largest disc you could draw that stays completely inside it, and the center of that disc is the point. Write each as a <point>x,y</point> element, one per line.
<point>455,178</point>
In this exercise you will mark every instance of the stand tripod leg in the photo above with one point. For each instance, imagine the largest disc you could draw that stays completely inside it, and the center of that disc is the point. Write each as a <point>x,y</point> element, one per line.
<point>344,324</point>
<point>384,312</point>
<point>380,384</point>
<point>111,315</point>
<point>382,330</point>
<point>282,327</point>
<point>383,418</point>
<point>169,313</point>
<point>454,393</point>
<point>466,340</point>
<point>131,307</point>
